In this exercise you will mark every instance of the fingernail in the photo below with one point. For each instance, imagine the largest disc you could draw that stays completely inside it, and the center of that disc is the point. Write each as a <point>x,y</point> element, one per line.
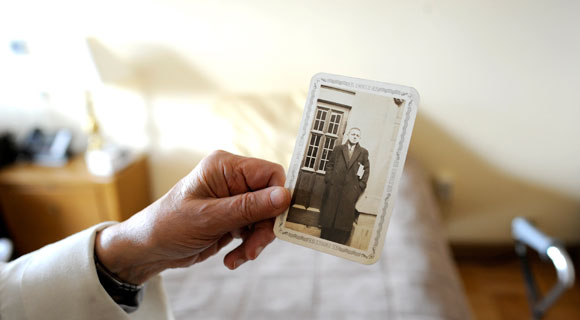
<point>238,263</point>
<point>258,251</point>
<point>278,197</point>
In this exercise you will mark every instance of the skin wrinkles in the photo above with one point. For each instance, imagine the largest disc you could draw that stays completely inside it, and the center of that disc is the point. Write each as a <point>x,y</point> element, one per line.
<point>225,196</point>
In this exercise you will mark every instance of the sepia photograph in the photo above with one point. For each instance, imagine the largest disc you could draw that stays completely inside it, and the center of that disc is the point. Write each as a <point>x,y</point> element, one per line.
<point>350,146</point>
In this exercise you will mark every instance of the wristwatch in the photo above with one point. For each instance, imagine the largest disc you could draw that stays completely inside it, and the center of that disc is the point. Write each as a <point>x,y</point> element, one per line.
<point>126,295</point>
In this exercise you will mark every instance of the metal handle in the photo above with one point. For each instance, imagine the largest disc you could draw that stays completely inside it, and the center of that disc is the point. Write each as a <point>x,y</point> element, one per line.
<point>524,231</point>
<point>526,234</point>
<point>563,264</point>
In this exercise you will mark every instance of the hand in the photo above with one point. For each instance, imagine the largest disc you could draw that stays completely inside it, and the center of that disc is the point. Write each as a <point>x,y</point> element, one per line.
<point>225,196</point>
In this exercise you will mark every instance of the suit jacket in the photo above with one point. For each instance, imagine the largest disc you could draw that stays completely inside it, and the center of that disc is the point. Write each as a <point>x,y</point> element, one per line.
<point>343,187</point>
<point>60,281</point>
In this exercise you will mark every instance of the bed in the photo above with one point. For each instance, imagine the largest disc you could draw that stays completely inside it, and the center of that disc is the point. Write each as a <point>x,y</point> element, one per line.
<point>414,279</point>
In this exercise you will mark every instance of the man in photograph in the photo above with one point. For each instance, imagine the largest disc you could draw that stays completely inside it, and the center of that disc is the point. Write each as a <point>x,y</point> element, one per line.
<point>347,173</point>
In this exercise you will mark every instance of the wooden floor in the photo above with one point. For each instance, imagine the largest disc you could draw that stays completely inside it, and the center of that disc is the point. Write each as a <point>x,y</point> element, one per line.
<point>496,289</point>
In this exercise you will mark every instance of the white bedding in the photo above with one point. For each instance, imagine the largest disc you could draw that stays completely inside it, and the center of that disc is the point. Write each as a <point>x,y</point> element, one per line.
<point>414,279</point>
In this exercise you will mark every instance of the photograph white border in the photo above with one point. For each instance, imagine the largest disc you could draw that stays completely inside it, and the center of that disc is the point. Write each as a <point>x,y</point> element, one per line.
<point>411,100</point>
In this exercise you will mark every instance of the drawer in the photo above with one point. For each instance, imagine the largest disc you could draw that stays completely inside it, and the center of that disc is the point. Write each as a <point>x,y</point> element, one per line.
<point>39,215</point>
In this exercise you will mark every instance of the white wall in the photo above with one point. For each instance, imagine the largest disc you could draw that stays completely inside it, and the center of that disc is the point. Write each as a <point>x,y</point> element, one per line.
<point>497,79</point>
<point>377,117</point>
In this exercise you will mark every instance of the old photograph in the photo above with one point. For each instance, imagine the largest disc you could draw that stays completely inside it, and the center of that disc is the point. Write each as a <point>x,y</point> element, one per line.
<point>351,135</point>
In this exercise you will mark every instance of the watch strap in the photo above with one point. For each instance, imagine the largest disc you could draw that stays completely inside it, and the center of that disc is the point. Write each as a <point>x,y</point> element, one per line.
<point>127,296</point>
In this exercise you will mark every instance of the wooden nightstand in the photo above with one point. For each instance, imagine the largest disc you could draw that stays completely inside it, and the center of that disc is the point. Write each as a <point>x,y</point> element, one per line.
<point>42,205</point>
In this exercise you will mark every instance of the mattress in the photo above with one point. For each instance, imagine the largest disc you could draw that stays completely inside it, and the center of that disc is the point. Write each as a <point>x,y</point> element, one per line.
<point>415,278</point>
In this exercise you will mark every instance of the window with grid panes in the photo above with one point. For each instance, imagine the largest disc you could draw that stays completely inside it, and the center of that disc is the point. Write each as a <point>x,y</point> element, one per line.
<point>323,138</point>
<point>312,151</point>
<point>334,122</point>
<point>320,118</point>
<point>328,146</point>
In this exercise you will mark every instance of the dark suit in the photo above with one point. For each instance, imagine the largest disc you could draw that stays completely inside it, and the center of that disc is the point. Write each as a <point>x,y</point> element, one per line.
<point>343,188</point>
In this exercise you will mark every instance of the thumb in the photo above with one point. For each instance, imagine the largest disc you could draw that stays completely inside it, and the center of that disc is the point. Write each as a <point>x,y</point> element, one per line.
<point>250,207</point>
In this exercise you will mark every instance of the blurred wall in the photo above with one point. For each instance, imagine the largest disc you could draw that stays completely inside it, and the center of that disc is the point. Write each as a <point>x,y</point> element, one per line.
<point>498,113</point>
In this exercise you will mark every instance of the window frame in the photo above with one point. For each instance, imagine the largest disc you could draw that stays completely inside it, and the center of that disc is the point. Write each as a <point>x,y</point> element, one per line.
<point>324,135</point>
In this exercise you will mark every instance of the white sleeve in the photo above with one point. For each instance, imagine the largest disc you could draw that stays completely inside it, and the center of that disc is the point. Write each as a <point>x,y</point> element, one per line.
<point>60,281</point>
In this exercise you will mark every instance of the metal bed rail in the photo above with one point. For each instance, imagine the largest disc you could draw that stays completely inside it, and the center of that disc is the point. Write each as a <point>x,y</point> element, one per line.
<point>526,235</point>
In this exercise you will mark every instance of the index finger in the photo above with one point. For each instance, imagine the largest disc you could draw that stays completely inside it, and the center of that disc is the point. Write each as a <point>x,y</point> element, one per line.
<point>242,174</point>
<point>260,174</point>
<point>225,174</point>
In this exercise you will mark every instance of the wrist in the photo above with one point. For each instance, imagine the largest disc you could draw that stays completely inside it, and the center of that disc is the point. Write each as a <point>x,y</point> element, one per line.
<point>125,255</point>
<point>127,296</point>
